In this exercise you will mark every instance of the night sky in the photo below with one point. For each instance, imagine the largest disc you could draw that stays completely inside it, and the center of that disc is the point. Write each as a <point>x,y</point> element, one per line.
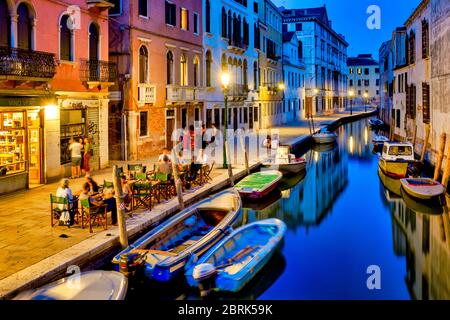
<point>349,18</point>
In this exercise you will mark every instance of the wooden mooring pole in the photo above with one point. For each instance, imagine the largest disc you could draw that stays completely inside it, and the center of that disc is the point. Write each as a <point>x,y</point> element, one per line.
<point>425,144</point>
<point>241,139</point>
<point>447,167</point>
<point>177,180</point>
<point>440,157</point>
<point>121,211</point>
<point>230,170</point>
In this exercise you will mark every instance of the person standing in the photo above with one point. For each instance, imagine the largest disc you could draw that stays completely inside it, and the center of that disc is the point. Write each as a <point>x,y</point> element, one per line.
<point>87,156</point>
<point>82,155</point>
<point>75,149</point>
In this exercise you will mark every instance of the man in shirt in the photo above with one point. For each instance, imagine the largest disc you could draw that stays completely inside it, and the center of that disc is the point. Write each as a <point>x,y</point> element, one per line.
<point>75,149</point>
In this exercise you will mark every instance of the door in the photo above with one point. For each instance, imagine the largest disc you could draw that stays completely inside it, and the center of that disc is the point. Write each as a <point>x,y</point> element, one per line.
<point>308,106</point>
<point>170,126</point>
<point>235,118</point>
<point>34,148</point>
<point>93,52</point>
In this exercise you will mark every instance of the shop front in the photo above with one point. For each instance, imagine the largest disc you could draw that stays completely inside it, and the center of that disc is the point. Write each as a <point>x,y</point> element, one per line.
<point>21,144</point>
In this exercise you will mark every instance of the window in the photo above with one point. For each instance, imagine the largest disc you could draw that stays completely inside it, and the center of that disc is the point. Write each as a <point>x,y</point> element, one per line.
<point>195,23</point>
<point>300,50</point>
<point>366,71</point>
<point>255,75</point>
<point>73,126</point>
<point>351,83</point>
<point>298,27</point>
<point>143,65</point>
<point>5,25</point>
<point>255,6</point>
<point>224,23</point>
<point>143,8</point>
<point>367,83</point>
<point>397,119</point>
<point>245,73</point>
<point>378,92</point>
<point>246,32</point>
<point>143,123</point>
<point>257,36</point>
<point>426,102</point>
<point>24,27</point>
<point>359,83</point>
<point>183,71</point>
<point>208,16</point>
<point>117,9</point>
<point>169,67</point>
<point>411,101</point>
<point>12,141</point>
<point>196,72</point>
<point>359,71</point>
<point>65,39</point>
<point>377,82</point>
<point>425,39</point>
<point>171,14</point>
<point>208,68</point>
<point>377,70</point>
<point>184,19</point>
<point>350,71</point>
<point>412,47</point>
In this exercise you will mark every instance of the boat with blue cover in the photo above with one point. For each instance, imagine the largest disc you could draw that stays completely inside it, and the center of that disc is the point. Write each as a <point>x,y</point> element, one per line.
<point>163,252</point>
<point>235,260</point>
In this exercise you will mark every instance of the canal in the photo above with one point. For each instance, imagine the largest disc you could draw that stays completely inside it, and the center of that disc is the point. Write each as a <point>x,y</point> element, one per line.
<point>342,219</point>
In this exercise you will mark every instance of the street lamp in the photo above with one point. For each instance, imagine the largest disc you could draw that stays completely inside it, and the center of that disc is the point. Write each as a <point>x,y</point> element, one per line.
<point>225,79</point>
<point>366,101</point>
<point>351,93</point>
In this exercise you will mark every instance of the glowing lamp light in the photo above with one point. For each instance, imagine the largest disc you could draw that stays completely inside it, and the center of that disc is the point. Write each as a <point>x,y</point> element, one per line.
<point>366,95</point>
<point>316,91</point>
<point>351,93</point>
<point>225,78</point>
<point>51,112</point>
<point>281,86</point>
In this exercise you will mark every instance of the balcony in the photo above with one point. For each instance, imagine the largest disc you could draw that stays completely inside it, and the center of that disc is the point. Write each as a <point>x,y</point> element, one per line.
<point>183,94</point>
<point>26,65</point>
<point>99,4</point>
<point>98,73</point>
<point>237,46</point>
<point>146,93</point>
<point>238,91</point>
<point>270,88</point>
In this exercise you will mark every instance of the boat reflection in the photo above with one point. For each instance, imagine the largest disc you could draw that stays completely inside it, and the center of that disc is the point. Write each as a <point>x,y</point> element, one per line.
<point>393,185</point>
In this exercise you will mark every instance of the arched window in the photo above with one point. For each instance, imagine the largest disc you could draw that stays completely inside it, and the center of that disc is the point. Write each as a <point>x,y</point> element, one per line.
<point>245,72</point>
<point>255,75</point>
<point>5,25</point>
<point>300,50</point>
<point>230,27</point>
<point>412,47</point>
<point>65,39</point>
<point>183,71</point>
<point>94,41</point>
<point>143,65</point>
<point>246,32</point>
<point>224,23</point>
<point>23,27</point>
<point>208,68</point>
<point>169,66</point>
<point>208,15</point>
<point>224,63</point>
<point>196,72</point>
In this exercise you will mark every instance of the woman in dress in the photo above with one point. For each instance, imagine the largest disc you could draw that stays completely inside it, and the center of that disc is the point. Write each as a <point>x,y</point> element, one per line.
<point>87,156</point>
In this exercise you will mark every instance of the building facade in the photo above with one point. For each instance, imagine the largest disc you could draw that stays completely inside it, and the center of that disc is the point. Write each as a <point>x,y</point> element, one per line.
<point>294,79</point>
<point>386,87</point>
<point>364,79</point>
<point>157,46</point>
<point>53,87</point>
<point>325,56</point>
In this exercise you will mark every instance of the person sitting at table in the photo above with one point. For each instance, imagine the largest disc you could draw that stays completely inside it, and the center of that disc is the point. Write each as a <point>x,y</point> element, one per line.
<point>181,161</point>
<point>165,152</point>
<point>64,191</point>
<point>110,202</point>
<point>202,157</point>
<point>165,166</point>
<point>92,184</point>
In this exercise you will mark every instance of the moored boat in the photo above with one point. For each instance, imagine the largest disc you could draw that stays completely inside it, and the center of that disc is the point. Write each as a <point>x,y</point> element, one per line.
<point>432,206</point>
<point>324,137</point>
<point>380,140</point>
<point>162,253</point>
<point>285,162</point>
<point>234,261</point>
<point>422,188</point>
<point>90,285</point>
<point>258,184</point>
<point>376,123</point>
<point>395,159</point>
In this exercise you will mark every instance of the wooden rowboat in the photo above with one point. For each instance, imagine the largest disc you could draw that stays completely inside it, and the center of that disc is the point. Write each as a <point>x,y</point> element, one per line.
<point>285,162</point>
<point>422,188</point>
<point>324,137</point>
<point>162,253</point>
<point>258,184</point>
<point>90,285</point>
<point>234,261</point>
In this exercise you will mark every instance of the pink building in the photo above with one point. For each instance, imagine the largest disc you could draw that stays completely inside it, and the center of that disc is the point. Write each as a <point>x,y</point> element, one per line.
<point>54,79</point>
<point>157,46</point>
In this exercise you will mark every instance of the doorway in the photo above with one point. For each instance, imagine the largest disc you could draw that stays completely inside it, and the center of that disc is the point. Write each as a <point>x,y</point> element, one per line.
<point>34,148</point>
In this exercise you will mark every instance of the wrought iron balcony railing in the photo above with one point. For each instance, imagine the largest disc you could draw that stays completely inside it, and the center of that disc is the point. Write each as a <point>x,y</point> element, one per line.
<point>27,63</point>
<point>183,93</point>
<point>238,90</point>
<point>98,71</point>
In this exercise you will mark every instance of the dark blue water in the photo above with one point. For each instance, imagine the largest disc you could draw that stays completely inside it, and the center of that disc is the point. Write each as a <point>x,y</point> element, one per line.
<point>341,219</point>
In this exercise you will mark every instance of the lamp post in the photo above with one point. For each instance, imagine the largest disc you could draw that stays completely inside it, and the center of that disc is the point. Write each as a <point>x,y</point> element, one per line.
<point>281,88</point>
<point>316,92</point>
<point>366,101</point>
<point>225,79</point>
<point>351,93</point>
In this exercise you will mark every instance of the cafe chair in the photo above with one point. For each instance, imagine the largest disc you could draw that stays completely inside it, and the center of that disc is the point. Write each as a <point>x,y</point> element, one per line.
<point>56,211</point>
<point>93,214</point>
<point>207,169</point>
<point>143,195</point>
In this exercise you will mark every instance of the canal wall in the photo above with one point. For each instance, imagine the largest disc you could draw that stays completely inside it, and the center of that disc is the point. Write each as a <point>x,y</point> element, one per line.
<point>105,243</point>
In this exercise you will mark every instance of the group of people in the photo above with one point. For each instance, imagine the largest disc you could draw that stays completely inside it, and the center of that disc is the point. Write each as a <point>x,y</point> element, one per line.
<point>90,191</point>
<point>81,152</point>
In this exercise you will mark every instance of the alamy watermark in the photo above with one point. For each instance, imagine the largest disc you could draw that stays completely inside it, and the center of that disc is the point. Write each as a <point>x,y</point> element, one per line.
<point>374,20</point>
<point>374,280</point>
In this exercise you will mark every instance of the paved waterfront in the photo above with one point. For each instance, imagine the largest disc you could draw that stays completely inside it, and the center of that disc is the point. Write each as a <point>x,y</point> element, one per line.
<point>26,237</point>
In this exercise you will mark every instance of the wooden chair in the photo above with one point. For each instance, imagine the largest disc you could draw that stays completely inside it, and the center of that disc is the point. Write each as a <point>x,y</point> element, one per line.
<point>92,213</point>
<point>140,176</point>
<point>106,185</point>
<point>143,195</point>
<point>56,212</point>
<point>165,187</point>
<point>207,169</point>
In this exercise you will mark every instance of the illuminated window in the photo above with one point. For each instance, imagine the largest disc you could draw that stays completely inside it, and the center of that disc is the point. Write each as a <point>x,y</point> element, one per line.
<point>184,16</point>
<point>359,71</point>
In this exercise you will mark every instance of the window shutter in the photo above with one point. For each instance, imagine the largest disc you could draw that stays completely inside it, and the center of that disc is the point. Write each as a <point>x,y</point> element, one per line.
<point>174,14</point>
<point>187,13</point>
